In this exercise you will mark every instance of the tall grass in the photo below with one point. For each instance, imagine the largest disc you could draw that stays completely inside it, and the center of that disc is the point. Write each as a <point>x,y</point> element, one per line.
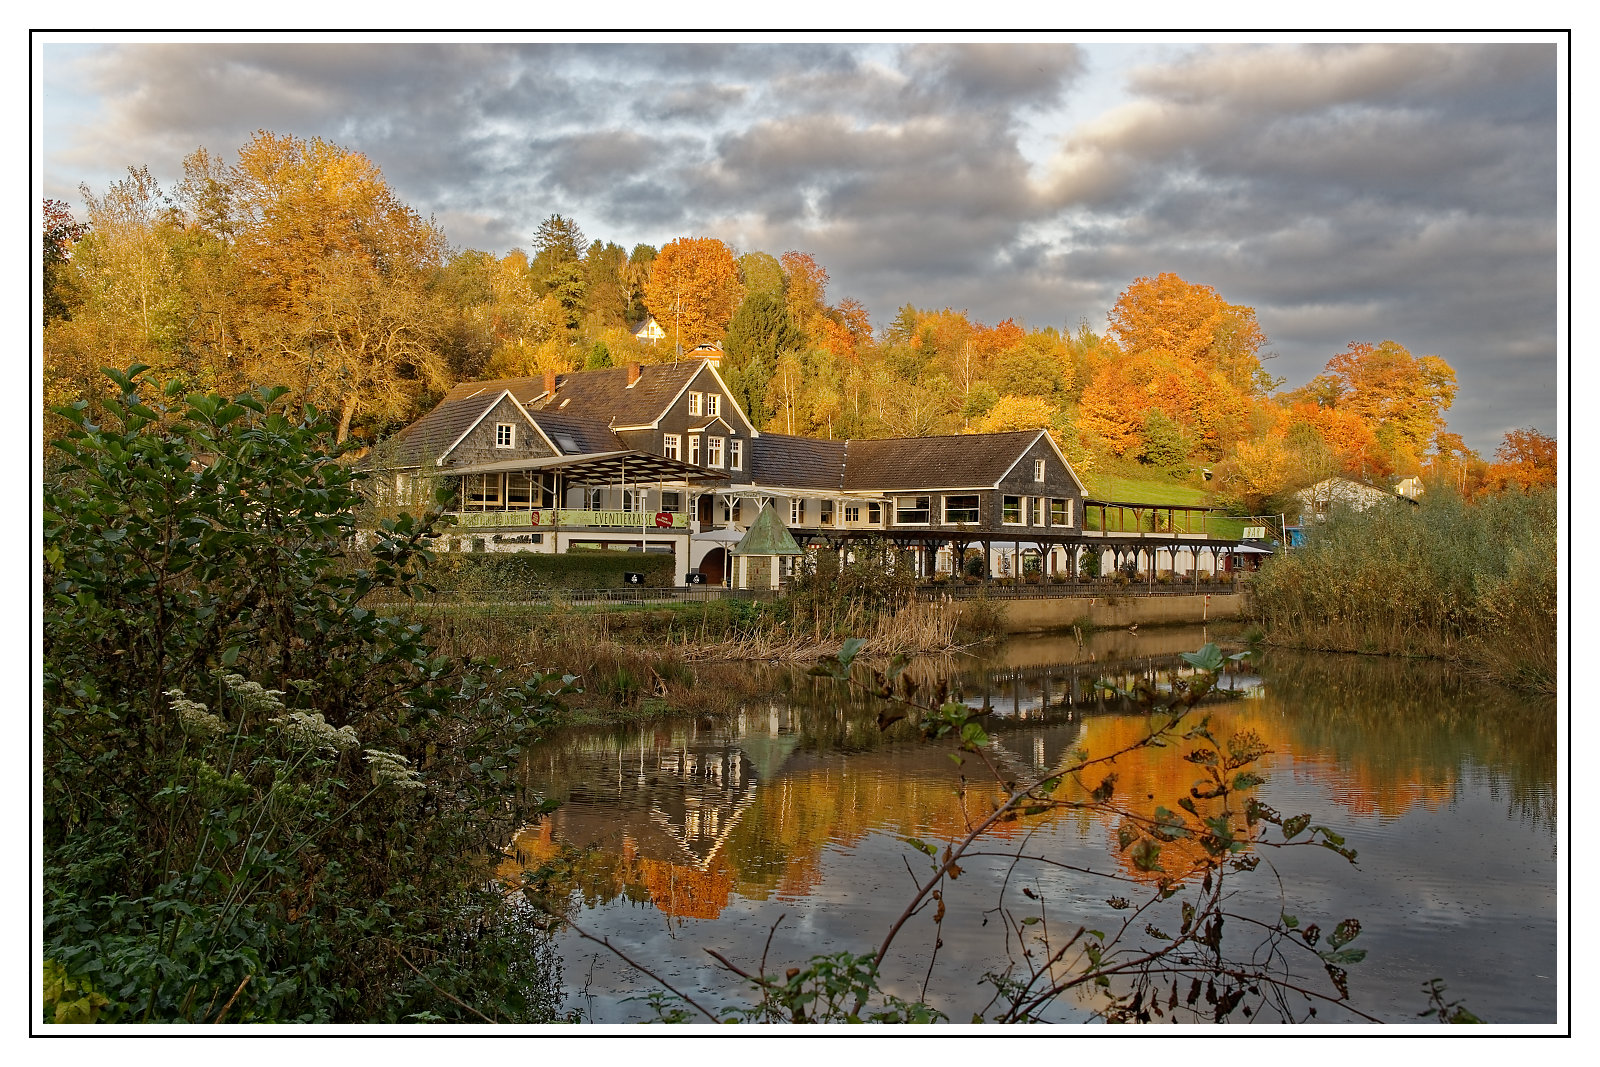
<point>1470,582</point>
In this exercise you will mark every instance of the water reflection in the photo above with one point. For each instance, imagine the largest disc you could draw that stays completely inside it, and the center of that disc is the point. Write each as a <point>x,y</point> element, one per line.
<point>800,806</point>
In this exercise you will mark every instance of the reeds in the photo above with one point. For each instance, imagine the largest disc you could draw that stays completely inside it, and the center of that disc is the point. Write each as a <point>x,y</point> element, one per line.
<point>1469,582</point>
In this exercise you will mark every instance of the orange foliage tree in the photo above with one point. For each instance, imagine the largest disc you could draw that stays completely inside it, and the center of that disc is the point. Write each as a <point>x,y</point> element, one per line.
<point>1525,458</point>
<point>1401,398</point>
<point>694,289</point>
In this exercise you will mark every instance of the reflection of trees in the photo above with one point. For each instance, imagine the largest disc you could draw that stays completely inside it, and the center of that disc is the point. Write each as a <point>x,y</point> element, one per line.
<point>1400,732</point>
<point>1389,735</point>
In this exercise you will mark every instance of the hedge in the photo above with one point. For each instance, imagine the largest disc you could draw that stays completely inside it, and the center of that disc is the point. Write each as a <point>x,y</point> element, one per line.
<point>580,569</point>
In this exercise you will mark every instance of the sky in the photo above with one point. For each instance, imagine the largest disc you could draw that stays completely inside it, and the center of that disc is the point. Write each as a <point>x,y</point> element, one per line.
<point>1364,191</point>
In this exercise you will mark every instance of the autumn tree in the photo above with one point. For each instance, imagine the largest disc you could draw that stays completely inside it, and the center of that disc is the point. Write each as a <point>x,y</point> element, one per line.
<point>805,287</point>
<point>1525,458</point>
<point>693,290</point>
<point>1015,413</point>
<point>1401,398</point>
<point>605,290</point>
<point>332,264</point>
<point>61,232</point>
<point>641,260</point>
<point>1168,315</point>
<point>760,272</point>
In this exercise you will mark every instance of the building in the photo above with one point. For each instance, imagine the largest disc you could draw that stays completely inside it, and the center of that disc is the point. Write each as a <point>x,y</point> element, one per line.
<point>663,459</point>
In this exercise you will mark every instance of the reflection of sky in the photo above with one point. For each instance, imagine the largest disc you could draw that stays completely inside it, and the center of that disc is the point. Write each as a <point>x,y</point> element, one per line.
<point>1456,885</point>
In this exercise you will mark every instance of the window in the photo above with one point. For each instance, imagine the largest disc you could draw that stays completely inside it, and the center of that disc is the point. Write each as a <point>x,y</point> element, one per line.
<point>827,513</point>
<point>911,510</point>
<point>669,445</point>
<point>961,508</point>
<point>1060,512</point>
<point>852,513</point>
<point>797,512</point>
<point>1038,470</point>
<point>695,400</point>
<point>519,489</point>
<point>694,449</point>
<point>713,451</point>
<point>1011,511</point>
<point>505,435</point>
<point>631,502</point>
<point>1038,511</point>
<point>875,514</point>
<point>672,502</point>
<point>594,499</point>
<point>735,453</point>
<point>731,510</point>
<point>713,403</point>
<point>483,490</point>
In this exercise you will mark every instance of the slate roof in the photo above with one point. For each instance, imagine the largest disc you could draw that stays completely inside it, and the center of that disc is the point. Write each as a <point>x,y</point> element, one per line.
<point>425,440</point>
<point>585,434</point>
<point>603,395</point>
<point>797,462</point>
<point>934,462</point>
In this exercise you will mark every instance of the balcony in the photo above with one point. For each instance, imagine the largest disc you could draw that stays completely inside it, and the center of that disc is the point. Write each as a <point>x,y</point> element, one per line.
<point>571,518</point>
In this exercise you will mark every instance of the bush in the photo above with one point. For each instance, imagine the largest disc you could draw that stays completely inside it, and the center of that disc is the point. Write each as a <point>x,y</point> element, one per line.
<point>516,574</point>
<point>263,802</point>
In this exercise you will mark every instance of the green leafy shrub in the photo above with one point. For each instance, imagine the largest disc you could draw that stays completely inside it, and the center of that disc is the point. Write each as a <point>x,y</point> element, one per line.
<point>262,800</point>
<point>514,574</point>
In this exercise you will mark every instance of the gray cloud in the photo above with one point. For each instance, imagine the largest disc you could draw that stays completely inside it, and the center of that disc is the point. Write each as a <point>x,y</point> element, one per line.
<point>1348,192</point>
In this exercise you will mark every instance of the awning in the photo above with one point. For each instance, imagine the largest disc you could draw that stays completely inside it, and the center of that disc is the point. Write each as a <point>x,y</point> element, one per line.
<point>601,468</point>
<point>1252,550</point>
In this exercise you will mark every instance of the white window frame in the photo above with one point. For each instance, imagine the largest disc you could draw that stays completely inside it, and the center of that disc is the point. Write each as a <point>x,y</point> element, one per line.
<point>713,405</point>
<point>735,454</point>
<point>694,449</point>
<point>875,514</point>
<point>797,512</point>
<point>671,501</point>
<point>669,445</point>
<point>713,451</point>
<point>1036,512</point>
<point>852,513</point>
<point>1021,510</point>
<point>695,402</point>
<point>926,509</point>
<point>1038,470</point>
<point>976,510</point>
<point>594,500</point>
<point>825,512</point>
<point>505,435</point>
<point>1061,516</point>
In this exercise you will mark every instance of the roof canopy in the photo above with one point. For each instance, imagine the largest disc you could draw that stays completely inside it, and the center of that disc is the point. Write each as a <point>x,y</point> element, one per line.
<point>767,537</point>
<point>602,468</point>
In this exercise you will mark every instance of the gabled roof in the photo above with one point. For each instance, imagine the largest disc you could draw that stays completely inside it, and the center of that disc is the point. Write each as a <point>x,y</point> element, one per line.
<point>960,461</point>
<point>432,437</point>
<point>604,395</point>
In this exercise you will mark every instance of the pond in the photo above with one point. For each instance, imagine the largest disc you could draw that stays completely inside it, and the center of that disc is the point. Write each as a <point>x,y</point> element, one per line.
<point>784,829</point>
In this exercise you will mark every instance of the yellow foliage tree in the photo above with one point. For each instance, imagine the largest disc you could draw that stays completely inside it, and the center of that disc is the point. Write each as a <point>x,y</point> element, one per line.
<point>694,290</point>
<point>1016,413</point>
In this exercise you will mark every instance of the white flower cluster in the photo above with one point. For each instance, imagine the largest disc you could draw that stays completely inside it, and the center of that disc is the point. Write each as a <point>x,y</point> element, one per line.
<point>193,718</point>
<point>251,695</point>
<point>309,727</point>
<point>390,769</point>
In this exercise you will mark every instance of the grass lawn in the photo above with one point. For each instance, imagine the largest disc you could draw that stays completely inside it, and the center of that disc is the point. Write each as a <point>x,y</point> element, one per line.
<point>1158,490</point>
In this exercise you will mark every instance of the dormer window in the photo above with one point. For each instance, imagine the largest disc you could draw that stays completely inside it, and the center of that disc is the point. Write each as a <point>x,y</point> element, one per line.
<point>696,401</point>
<point>505,435</point>
<point>1038,470</point>
<point>713,404</point>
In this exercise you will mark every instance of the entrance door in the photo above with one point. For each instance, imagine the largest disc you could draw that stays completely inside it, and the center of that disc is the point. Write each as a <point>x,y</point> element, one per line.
<point>706,503</point>
<point>715,566</point>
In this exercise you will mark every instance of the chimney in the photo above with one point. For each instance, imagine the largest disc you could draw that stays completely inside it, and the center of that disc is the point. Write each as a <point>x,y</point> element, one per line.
<point>549,381</point>
<point>633,373</point>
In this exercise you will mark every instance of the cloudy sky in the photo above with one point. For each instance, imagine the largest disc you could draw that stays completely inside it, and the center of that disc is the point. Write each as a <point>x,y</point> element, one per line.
<point>1348,192</point>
